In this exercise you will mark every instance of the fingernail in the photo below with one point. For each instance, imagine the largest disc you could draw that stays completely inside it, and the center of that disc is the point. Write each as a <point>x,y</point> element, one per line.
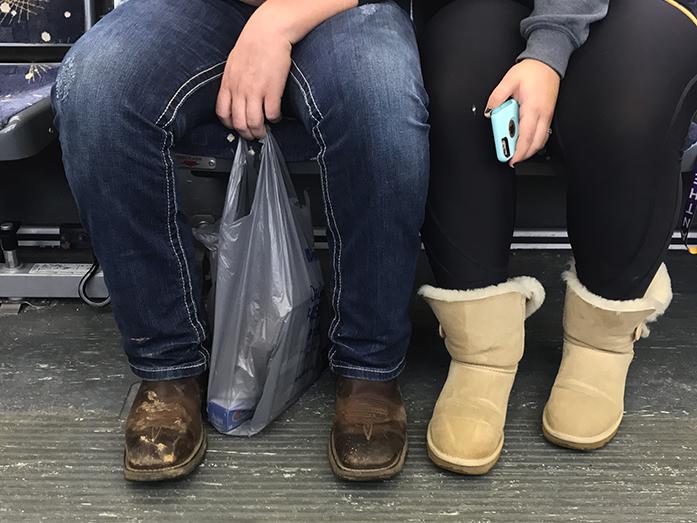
<point>487,112</point>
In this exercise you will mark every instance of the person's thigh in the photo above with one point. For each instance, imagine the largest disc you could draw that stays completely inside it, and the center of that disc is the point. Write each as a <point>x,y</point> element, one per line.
<point>147,57</point>
<point>143,75</point>
<point>466,50</point>
<point>356,85</point>
<point>622,117</point>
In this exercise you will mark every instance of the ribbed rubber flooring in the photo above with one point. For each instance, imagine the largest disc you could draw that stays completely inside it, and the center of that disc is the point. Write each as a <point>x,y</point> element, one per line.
<point>68,468</point>
<point>63,384</point>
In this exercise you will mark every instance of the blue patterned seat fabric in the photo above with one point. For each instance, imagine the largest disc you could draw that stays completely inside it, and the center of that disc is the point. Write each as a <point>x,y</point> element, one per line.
<point>22,85</point>
<point>34,22</point>
<point>45,22</point>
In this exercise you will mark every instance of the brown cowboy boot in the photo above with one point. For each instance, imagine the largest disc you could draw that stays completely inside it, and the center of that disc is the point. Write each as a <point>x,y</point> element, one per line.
<point>369,436</point>
<point>165,435</point>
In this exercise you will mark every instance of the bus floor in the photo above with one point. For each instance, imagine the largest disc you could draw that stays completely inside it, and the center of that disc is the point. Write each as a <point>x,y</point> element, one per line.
<point>65,383</point>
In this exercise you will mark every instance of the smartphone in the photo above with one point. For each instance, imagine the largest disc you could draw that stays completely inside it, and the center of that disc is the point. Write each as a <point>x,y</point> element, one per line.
<point>504,123</point>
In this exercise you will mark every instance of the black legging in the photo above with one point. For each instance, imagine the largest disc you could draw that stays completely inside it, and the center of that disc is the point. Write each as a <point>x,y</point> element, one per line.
<point>620,123</point>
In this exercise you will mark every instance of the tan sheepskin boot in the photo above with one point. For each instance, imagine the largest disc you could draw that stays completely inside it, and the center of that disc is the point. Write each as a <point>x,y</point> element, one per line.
<point>586,405</point>
<point>484,332</point>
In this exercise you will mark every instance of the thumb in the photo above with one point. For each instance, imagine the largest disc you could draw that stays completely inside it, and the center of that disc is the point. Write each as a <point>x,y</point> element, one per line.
<point>501,93</point>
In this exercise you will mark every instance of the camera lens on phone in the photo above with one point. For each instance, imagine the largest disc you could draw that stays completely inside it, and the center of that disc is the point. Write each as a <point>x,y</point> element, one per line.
<point>511,128</point>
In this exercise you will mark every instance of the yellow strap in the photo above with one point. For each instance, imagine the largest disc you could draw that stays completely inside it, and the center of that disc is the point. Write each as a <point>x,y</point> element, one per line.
<point>684,10</point>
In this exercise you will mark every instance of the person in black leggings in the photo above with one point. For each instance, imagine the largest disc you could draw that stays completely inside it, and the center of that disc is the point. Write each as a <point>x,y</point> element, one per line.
<point>624,107</point>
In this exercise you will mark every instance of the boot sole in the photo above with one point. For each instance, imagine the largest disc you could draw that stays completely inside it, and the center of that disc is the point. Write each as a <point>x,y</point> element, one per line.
<point>568,443</point>
<point>467,470</point>
<point>369,474</point>
<point>171,473</point>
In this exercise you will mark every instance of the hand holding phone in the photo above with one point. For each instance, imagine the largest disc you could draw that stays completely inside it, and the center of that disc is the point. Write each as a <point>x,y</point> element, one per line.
<point>504,123</point>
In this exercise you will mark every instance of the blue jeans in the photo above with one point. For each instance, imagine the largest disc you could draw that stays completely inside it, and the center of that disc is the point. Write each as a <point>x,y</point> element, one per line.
<point>149,72</point>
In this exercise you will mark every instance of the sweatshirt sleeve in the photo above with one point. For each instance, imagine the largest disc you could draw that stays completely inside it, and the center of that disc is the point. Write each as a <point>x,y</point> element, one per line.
<point>556,28</point>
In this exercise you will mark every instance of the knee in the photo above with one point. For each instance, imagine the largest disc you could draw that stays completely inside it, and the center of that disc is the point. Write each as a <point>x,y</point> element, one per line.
<point>467,47</point>
<point>395,129</point>
<point>372,113</point>
<point>373,72</point>
<point>95,101</point>
<point>386,105</point>
<point>383,89</point>
<point>93,87</point>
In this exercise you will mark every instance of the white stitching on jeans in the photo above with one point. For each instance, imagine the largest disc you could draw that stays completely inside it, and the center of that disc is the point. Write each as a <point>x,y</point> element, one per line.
<point>180,367</point>
<point>309,89</point>
<point>171,237</point>
<point>330,208</point>
<point>365,369</point>
<point>320,158</point>
<point>204,353</point>
<point>181,246</point>
<point>337,271</point>
<point>169,172</point>
<point>182,87</point>
<point>192,91</point>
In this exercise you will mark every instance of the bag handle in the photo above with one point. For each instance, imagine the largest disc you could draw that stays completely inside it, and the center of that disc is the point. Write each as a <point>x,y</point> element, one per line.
<point>271,150</point>
<point>233,197</point>
<point>271,165</point>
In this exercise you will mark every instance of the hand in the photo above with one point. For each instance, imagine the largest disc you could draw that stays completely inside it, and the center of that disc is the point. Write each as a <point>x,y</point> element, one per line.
<point>255,77</point>
<point>535,86</point>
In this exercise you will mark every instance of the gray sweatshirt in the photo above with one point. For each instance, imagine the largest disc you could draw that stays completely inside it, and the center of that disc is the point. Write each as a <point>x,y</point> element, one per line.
<point>555,29</point>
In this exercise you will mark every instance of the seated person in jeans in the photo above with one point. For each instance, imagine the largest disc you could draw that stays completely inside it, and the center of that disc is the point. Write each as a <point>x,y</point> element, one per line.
<point>152,70</point>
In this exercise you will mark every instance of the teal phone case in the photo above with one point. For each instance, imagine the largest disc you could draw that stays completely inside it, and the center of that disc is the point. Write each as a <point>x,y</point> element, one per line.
<point>504,123</point>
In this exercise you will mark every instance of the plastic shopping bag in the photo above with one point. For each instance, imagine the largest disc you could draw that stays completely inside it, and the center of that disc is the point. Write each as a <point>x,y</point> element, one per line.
<point>268,285</point>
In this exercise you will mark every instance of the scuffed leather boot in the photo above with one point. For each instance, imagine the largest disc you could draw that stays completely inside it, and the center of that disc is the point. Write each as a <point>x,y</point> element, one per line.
<point>369,436</point>
<point>484,331</point>
<point>165,435</point>
<point>586,405</point>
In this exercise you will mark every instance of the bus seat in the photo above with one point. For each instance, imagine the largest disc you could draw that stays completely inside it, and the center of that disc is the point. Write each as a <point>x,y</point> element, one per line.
<point>25,109</point>
<point>29,33</point>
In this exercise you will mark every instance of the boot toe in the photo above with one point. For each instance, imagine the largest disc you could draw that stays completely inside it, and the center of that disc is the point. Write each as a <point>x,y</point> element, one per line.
<point>464,440</point>
<point>165,435</point>
<point>169,449</point>
<point>360,453</point>
<point>579,415</point>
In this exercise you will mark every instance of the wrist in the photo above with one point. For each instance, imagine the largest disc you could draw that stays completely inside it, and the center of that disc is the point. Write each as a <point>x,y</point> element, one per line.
<point>283,22</point>
<point>551,47</point>
<point>294,19</point>
<point>539,64</point>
